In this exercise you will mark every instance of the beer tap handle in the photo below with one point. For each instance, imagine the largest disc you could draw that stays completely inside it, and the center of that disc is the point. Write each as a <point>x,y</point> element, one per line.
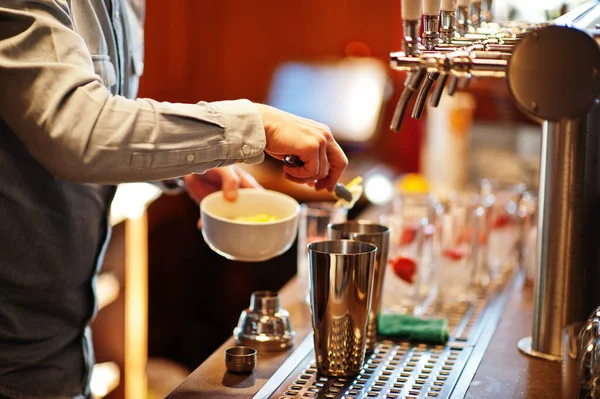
<point>464,23</point>
<point>411,21</point>
<point>438,90</point>
<point>423,92</point>
<point>486,12</point>
<point>431,23</point>
<point>448,21</point>
<point>476,13</point>
<point>413,81</point>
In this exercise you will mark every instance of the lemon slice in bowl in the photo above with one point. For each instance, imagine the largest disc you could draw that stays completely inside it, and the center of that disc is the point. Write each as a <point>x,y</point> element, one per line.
<point>260,218</point>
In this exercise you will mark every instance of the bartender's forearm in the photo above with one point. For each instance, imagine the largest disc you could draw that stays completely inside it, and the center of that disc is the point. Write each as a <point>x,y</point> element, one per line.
<point>71,124</point>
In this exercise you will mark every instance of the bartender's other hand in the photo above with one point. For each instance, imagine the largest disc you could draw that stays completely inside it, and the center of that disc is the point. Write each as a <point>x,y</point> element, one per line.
<point>287,134</point>
<point>228,179</point>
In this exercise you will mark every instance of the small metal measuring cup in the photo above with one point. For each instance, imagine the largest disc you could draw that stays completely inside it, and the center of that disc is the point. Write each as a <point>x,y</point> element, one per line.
<point>240,359</point>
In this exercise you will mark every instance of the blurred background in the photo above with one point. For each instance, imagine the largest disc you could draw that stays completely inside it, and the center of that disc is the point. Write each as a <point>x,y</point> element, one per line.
<point>327,60</point>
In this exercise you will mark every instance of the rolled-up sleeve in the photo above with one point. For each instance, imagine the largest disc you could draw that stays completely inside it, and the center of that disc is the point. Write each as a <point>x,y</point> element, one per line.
<point>54,102</point>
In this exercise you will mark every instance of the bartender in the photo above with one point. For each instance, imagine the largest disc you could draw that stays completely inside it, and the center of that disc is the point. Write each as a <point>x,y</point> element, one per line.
<point>69,131</point>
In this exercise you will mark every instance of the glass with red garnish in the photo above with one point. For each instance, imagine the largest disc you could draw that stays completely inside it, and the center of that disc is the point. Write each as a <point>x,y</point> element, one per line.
<point>457,236</point>
<point>504,225</point>
<point>408,285</point>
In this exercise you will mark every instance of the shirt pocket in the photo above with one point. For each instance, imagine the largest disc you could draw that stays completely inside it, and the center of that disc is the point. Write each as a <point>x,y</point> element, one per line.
<point>104,68</point>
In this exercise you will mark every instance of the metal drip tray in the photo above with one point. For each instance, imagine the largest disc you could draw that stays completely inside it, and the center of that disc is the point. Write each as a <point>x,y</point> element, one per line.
<point>400,369</point>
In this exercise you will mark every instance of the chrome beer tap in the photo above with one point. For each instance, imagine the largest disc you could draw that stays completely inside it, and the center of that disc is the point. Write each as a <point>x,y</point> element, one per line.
<point>476,13</point>
<point>448,21</point>
<point>463,23</point>
<point>411,20</point>
<point>486,12</point>
<point>431,38</point>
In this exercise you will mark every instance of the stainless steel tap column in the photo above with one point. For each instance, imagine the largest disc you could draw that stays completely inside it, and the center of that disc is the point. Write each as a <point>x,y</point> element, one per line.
<point>559,298</point>
<point>566,62</point>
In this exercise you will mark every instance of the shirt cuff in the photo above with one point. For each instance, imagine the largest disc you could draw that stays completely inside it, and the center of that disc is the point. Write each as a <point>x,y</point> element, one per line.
<point>244,131</point>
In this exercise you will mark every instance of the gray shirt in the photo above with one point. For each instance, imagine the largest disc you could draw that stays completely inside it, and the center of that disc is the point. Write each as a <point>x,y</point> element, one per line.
<point>69,130</point>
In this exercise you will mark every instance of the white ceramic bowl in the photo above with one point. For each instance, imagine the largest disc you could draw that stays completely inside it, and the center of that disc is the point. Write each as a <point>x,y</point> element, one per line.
<point>249,241</point>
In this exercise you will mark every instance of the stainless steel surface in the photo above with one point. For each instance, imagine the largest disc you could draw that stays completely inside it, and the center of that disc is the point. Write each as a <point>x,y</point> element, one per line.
<point>423,92</point>
<point>438,90</point>
<point>476,14</point>
<point>581,359</point>
<point>588,359</point>
<point>411,42</point>
<point>240,359</point>
<point>567,282</point>
<point>487,14</point>
<point>378,235</point>
<point>264,326</point>
<point>400,369</point>
<point>566,62</point>
<point>463,23</point>
<point>431,34</point>
<point>342,192</point>
<point>448,26</point>
<point>341,289</point>
<point>452,84</point>
<point>413,81</point>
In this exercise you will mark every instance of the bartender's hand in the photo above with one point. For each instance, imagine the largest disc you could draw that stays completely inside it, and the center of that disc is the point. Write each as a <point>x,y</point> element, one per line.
<point>287,134</point>
<point>229,179</point>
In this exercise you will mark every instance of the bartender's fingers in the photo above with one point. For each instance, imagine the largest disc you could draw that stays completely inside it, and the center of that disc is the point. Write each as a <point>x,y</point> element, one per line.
<point>338,163</point>
<point>246,179</point>
<point>233,177</point>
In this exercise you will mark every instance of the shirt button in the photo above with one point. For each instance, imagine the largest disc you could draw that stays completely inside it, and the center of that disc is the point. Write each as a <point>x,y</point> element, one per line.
<point>190,157</point>
<point>246,149</point>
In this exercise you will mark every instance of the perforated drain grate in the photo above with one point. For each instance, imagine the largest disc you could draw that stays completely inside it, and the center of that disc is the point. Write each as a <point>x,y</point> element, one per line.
<point>393,371</point>
<point>398,369</point>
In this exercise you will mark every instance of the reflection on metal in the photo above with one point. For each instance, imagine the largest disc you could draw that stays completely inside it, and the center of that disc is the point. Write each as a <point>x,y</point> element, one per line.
<point>525,347</point>
<point>400,369</point>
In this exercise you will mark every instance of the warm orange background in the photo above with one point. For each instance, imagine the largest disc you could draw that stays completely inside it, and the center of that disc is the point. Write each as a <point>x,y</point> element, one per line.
<point>227,49</point>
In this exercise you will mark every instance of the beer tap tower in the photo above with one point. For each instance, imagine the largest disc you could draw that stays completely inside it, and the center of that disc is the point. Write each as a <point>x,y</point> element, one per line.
<point>552,74</point>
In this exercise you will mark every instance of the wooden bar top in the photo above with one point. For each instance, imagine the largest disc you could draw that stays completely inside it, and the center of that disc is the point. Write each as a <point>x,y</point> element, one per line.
<point>503,372</point>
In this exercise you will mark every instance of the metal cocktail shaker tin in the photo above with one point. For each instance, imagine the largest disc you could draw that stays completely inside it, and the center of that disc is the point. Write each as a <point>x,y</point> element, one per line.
<point>341,289</point>
<point>378,235</point>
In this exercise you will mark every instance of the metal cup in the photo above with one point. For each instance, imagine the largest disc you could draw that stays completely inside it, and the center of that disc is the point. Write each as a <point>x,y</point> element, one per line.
<point>378,235</point>
<point>341,288</point>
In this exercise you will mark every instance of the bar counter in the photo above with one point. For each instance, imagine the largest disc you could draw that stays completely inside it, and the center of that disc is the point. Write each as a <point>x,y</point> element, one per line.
<point>502,373</point>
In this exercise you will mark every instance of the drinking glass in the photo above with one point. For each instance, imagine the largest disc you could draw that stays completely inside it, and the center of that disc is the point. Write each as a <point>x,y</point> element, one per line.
<point>528,247</point>
<point>312,226</point>
<point>504,225</point>
<point>457,236</point>
<point>409,286</point>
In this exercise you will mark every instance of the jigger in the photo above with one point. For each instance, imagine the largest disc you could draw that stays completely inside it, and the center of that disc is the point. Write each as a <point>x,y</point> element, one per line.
<point>341,289</point>
<point>378,235</point>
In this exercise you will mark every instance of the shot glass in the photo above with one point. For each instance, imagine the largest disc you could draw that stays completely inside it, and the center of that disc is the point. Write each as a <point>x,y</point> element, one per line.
<point>312,226</point>
<point>341,290</point>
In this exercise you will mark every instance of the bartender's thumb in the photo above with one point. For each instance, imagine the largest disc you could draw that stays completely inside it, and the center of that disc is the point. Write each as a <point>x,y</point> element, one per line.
<point>230,182</point>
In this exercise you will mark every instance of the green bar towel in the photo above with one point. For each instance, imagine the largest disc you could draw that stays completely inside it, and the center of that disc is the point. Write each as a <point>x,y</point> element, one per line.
<point>413,328</point>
